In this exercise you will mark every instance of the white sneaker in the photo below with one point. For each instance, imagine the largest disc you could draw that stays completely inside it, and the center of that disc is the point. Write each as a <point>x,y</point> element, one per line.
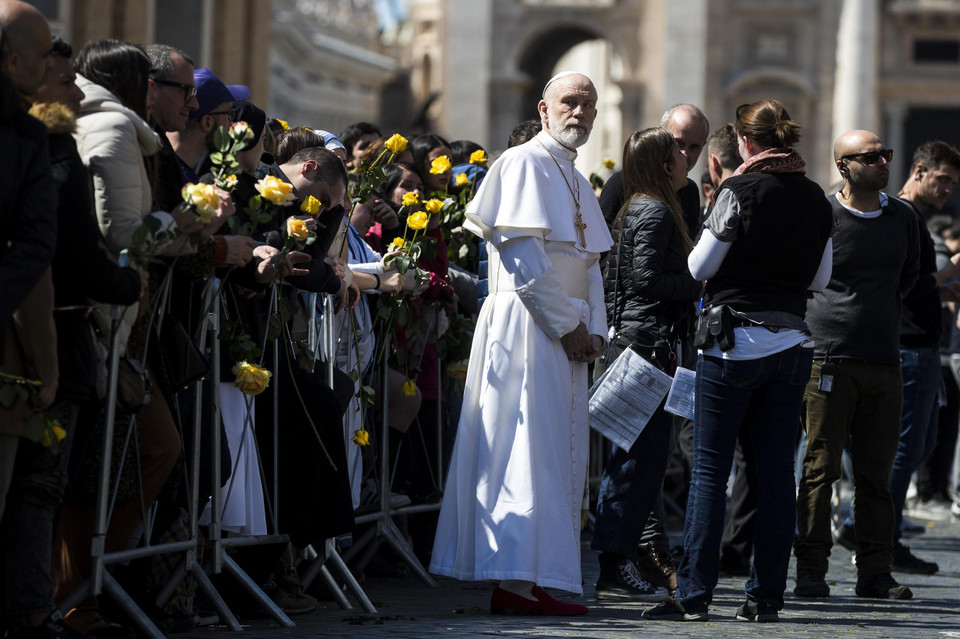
<point>935,509</point>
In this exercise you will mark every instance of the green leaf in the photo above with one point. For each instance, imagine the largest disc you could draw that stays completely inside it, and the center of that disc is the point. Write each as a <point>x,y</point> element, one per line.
<point>274,327</point>
<point>216,158</point>
<point>403,315</point>
<point>35,426</point>
<point>220,140</point>
<point>8,395</point>
<point>288,308</point>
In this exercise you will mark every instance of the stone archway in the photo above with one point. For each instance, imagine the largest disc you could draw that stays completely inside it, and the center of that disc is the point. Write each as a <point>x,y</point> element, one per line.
<point>540,56</point>
<point>497,55</point>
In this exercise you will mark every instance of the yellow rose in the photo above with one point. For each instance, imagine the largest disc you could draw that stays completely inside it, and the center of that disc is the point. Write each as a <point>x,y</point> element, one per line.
<point>275,190</point>
<point>410,199</point>
<point>440,165</point>
<point>396,245</point>
<point>202,199</point>
<point>310,206</point>
<point>361,437</point>
<point>462,179</point>
<point>608,163</point>
<point>250,378</point>
<point>297,229</point>
<point>230,182</point>
<point>418,220</point>
<point>409,388</point>
<point>59,432</point>
<point>433,206</point>
<point>478,157</point>
<point>396,143</point>
<point>283,124</point>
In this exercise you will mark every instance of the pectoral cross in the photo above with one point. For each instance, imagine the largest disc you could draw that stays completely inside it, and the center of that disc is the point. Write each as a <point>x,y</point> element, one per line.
<point>580,226</point>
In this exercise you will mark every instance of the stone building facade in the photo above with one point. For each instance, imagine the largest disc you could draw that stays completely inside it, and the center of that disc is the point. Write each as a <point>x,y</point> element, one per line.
<point>232,37</point>
<point>888,65</point>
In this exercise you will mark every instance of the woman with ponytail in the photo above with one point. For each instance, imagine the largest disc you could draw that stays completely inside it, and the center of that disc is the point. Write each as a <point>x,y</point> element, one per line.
<point>764,247</point>
<point>650,304</point>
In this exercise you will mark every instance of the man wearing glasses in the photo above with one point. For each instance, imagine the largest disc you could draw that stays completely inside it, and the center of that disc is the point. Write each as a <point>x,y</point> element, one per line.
<point>855,390</point>
<point>214,102</point>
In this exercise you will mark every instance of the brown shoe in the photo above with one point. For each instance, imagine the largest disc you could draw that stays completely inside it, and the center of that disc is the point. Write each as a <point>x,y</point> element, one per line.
<point>656,567</point>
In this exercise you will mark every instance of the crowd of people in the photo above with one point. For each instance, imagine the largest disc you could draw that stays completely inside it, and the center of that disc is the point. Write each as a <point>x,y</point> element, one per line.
<point>471,297</point>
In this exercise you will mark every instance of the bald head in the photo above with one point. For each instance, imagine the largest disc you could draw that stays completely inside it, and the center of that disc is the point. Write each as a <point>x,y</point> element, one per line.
<point>856,141</point>
<point>568,109</point>
<point>689,127</point>
<point>26,45</point>
<point>864,165</point>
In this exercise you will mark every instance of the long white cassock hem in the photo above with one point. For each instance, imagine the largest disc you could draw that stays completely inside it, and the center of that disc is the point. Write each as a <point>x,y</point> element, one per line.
<point>511,507</point>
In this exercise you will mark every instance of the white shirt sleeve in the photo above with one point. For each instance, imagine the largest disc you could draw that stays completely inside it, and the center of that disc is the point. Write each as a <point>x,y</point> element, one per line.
<point>706,257</point>
<point>822,278</point>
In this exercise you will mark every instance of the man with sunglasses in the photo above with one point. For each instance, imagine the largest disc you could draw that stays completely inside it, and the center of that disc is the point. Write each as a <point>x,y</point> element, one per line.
<point>920,329</point>
<point>855,390</point>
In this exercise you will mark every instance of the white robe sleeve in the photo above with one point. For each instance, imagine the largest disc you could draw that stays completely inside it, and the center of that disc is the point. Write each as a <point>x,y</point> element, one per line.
<point>595,301</point>
<point>537,286</point>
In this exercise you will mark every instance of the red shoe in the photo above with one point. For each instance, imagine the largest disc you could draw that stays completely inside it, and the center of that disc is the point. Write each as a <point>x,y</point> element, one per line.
<point>506,603</point>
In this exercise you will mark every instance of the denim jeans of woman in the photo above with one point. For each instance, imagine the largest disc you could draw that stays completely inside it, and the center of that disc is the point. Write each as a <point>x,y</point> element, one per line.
<point>762,396</point>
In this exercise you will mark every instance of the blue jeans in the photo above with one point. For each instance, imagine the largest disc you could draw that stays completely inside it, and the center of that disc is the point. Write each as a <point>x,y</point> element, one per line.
<point>763,396</point>
<point>918,424</point>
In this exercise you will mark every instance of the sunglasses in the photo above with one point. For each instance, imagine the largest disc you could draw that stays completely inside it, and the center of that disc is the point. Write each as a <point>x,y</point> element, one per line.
<point>870,157</point>
<point>189,90</point>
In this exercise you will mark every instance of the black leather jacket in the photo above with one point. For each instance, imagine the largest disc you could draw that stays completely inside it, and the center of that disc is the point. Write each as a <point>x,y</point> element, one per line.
<point>655,293</point>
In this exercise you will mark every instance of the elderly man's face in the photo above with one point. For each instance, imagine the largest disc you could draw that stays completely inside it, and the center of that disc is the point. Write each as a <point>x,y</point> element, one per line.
<point>568,110</point>
<point>690,134</point>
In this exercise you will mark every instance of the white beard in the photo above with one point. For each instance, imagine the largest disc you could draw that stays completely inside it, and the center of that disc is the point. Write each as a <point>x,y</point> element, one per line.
<point>571,137</point>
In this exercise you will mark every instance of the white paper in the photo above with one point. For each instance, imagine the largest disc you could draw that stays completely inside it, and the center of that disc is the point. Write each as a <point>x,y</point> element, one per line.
<point>625,397</point>
<point>682,391</point>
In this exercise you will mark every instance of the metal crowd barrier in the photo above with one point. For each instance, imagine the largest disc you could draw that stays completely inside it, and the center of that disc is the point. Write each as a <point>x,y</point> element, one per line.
<point>216,557</point>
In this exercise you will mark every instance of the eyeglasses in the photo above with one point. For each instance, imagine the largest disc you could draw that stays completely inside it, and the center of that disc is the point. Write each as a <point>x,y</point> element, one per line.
<point>870,157</point>
<point>189,90</point>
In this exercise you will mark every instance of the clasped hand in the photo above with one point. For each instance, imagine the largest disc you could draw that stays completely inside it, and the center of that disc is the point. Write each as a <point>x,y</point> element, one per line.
<point>580,346</point>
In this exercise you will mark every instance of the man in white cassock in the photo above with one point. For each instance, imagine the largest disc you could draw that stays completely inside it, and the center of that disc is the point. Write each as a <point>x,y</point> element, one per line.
<point>511,508</point>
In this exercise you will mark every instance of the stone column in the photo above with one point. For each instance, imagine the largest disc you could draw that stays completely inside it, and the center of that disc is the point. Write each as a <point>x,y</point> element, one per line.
<point>466,71</point>
<point>895,115</point>
<point>855,88</point>
<point>685,59</point>
<point>631,108</point>
<point>506,107</point>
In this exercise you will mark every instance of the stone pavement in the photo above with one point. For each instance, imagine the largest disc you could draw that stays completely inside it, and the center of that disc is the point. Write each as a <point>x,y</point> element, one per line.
<point>409,609</point>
